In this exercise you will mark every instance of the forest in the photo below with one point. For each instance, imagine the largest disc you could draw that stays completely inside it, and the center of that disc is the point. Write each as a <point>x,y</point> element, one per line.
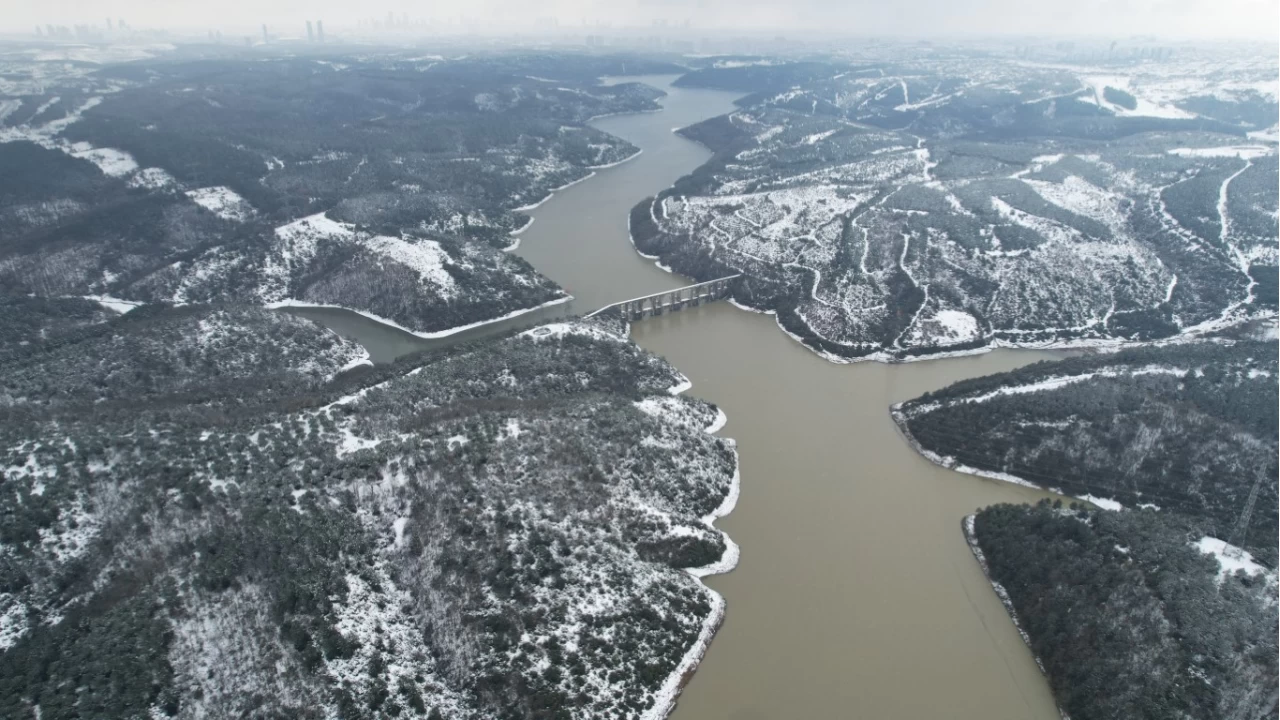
<point>1133,603</point>
<point>1128,617</point>
<point>371,181</point>
<point>1190,428</point>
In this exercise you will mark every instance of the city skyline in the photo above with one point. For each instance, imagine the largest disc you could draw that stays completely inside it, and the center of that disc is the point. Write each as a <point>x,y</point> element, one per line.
<point>1194,19</point>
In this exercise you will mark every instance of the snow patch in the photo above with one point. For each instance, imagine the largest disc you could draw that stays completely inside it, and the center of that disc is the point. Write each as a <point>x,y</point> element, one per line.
<point>1231,559</point>
<point>223,202</point>
<point>110,161</point>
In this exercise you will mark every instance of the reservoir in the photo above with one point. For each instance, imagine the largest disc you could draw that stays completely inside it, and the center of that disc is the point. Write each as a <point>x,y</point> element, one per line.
<point>856,595</point>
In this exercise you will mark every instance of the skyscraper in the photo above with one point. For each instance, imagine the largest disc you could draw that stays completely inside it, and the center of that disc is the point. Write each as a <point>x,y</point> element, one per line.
<point>265,39</point>
<point>320,30</point>
<point>310,36</point>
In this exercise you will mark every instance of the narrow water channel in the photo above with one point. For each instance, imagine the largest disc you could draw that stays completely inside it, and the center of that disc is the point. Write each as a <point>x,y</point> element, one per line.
<point>855,596</point>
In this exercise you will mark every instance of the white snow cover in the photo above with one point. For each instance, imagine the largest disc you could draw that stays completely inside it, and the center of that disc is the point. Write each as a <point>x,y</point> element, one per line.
<point>116,304</point>
<point>295,246</point>
<point>1244,152</point>
<point>362,357</point>
<point>290,302</point>
<point>424,256</point>
<point>719,423</point>
<point>1084,198</point>
<point>225,650</point>
<point>1144,106</point>
<point>152,178</point>
<point>13,620</point>
<point>562,329</point>
<point>318,225</point>
<point>1230,558</point>
<point>223,202</point>
<point>959,325</point>
<point>115,163</point>
<point>1053,383</point>
<point>372,618</point>
<point>1104,503</point>
<point>681,386</point>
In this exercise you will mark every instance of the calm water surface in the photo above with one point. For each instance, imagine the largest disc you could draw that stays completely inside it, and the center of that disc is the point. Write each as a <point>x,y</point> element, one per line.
<point>856,596</point>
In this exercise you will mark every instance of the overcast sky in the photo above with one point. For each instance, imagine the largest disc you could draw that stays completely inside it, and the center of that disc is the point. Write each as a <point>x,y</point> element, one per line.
<point>1112,18</point>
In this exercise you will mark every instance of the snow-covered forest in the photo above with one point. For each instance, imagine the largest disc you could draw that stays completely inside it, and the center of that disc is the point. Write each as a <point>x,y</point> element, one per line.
<point>224,512</point>
<point>382,184</point>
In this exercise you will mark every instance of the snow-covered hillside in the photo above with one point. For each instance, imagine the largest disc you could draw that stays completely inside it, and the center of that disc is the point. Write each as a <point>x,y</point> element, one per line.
<point>945,207</point>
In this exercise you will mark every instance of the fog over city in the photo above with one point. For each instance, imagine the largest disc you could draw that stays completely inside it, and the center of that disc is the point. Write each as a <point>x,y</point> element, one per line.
<point>1113,18</point>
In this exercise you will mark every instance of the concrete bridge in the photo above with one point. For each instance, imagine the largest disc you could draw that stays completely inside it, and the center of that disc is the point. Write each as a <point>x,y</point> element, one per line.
<point>670,301</point>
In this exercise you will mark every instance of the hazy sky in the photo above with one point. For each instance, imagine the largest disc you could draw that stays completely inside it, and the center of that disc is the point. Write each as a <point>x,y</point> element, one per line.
<point>1188,18</point>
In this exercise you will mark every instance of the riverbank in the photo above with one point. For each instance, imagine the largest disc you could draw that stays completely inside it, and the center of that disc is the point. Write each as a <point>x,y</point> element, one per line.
<point>669,692</point>
<point>950,463</point>
<point>976,549</point>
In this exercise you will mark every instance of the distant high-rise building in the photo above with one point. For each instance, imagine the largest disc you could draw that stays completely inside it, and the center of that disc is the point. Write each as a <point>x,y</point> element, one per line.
<point>109,24</point>
<point>320,30</point>
<point>39,32</point>
<point>265,37</point>
<point>310,35</point>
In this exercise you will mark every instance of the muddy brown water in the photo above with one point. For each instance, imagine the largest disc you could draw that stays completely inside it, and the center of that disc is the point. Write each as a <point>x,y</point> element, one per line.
<point>856,595</point>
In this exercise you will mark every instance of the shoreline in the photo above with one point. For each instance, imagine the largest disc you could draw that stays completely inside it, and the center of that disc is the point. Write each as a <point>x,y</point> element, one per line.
<point>517,233</point>
<point>1098,345</point>
<point>949,463</point>
<point>606,166</point>
<point>669,692</point>
<point>601,116</point>
<point>967,527</point>
<point>991,341</point>
<point>434,335</point>
<point>971,540</point>
<point>552,192</point>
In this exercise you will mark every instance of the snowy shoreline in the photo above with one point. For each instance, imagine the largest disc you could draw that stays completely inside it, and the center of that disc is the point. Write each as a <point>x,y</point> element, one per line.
<point>606,166</point>
<point>517,233</point>
<point>667,694</point>
<point>552,192</point>
<point>602,116</point>
<point>291,303</point>
<point>900,422</point>
<point>1101,345</point>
